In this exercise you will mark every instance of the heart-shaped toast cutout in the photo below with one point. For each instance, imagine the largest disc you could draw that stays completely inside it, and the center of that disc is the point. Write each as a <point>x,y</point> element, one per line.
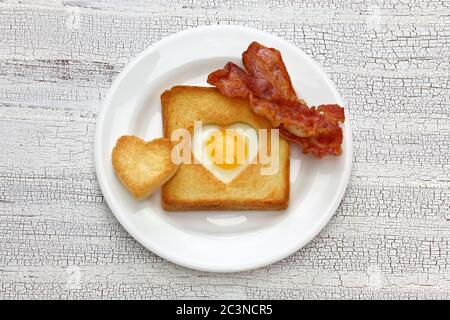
<point>143,166</point>
<point>225,152</point>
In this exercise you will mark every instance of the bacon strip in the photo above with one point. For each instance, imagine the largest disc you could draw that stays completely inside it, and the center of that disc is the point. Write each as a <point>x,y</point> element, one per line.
<point>267,85</point>
<point>267,64</point>
<point>319,145</point>
<point>230,81</point>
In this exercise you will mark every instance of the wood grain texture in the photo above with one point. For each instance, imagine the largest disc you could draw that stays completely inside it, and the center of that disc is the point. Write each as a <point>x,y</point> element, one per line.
<point>390,237</point>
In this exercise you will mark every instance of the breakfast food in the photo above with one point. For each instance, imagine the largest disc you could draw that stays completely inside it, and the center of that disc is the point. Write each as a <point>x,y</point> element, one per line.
<point>210,185</point>
<point>265,82</point>
<point>216,141</point>
<point>221,148</point>
<point>143,166</point>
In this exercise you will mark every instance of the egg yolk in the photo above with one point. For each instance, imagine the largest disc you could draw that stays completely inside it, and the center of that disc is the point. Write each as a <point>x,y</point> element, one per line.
<point>227,149</point>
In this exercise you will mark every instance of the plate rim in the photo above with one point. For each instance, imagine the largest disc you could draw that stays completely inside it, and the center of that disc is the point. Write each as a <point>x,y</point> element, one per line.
<point>326,217</point>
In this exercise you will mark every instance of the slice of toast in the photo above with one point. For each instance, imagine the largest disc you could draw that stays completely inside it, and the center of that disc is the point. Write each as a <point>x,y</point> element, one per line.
<point>194,187</point>
<point>143,166</point>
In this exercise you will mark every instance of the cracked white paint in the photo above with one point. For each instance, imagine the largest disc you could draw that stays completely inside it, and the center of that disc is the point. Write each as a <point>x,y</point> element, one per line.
<point>73,281</point>
<point>390,237</point>
<point>376,277</point>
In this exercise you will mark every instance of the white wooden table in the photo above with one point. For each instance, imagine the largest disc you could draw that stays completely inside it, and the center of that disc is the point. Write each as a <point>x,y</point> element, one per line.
<point>390,237</point>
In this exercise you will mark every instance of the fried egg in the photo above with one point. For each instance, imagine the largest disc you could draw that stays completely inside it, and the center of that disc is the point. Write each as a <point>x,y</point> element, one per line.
<point>225,151</point>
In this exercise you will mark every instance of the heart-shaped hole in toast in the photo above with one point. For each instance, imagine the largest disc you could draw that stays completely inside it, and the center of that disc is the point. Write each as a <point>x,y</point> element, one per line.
<point>225,151</point>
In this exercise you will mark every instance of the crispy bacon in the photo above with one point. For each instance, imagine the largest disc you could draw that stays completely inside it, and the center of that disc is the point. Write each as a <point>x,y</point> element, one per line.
<point>298,118</point>
<point>320,145</point>
<point>230,81</point>
<point>266,64</point>
<point>267,85</point>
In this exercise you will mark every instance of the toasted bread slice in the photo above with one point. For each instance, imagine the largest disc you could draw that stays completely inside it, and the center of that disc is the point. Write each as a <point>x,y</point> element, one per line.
<point>196,188</point>
<point>143,166</point>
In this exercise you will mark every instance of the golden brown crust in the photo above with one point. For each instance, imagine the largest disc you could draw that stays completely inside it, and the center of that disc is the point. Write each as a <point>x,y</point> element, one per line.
<point>142,166</point>
<point>194,187</point>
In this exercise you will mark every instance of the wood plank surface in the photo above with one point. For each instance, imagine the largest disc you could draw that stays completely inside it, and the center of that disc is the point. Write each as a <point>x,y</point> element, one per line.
<point>390,237</point>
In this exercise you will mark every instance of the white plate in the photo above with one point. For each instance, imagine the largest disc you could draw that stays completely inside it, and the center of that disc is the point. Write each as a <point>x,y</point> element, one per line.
<point>217,241</point>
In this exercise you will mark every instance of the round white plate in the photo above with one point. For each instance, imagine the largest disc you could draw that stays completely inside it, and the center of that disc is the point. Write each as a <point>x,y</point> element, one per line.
<point>222,241</point>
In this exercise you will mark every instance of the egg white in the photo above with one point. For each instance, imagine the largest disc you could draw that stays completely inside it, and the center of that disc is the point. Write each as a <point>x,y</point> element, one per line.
<point>199,149</point>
